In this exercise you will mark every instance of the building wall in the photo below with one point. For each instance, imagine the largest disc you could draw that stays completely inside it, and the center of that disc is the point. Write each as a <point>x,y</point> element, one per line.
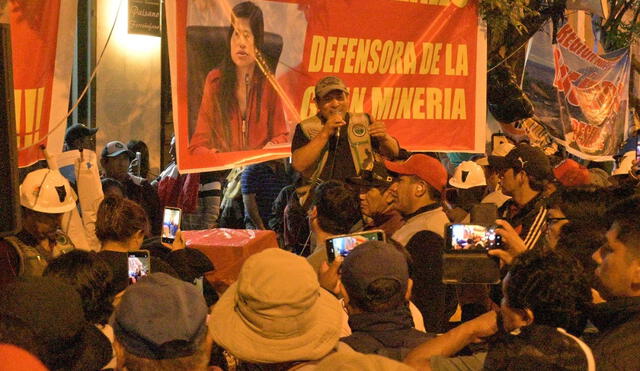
<point>127,83</point>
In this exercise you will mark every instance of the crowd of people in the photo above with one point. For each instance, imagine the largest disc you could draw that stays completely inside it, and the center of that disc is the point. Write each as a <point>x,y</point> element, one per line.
<point>569,258</point>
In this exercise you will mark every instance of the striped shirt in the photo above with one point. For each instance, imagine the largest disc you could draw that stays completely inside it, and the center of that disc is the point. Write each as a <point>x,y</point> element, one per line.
<point>530,220</point>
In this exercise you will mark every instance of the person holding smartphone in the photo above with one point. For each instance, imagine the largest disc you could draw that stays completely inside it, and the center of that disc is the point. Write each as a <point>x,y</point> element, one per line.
<point>121,227</point>
<point>336,210</point>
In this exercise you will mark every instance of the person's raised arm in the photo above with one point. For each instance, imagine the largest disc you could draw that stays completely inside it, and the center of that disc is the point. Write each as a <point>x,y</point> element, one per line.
<point>389,146</point>
<point>452,341</point>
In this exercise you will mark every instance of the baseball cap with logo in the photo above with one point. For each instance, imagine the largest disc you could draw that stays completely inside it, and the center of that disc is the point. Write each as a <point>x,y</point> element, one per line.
<point>329,84</point>
<point>525,157</point>
<point>116,148</point>
<point>424,167</point>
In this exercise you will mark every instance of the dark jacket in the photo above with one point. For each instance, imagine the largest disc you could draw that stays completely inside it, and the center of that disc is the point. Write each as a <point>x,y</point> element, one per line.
<point>529,220</point>
<point>142,192</point>
<point>390,334</point>
<point>617,345</point>
<point>539,348</point>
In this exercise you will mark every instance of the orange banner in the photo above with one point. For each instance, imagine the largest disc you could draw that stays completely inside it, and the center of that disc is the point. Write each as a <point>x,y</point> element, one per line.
<point>34,45</point>
<point>419,66</point>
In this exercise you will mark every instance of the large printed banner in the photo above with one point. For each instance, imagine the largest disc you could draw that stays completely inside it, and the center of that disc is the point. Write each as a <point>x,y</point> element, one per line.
<point>417,65</point>
<point>42,39</point>
<point>581,97</point>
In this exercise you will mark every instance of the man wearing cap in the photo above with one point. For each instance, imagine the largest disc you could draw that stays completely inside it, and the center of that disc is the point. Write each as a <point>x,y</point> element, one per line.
<point>161,324</point>
<point>78,136</point>
<point>115,161</point>
<point>525,172</point>
<point>376,288</point>
<point>377,201</point>
<point>420,182</point>
<point>45,195</point>
<point>335,143</point>
<point>494,195</point>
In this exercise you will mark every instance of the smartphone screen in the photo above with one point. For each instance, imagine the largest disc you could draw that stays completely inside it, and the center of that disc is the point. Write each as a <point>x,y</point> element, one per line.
<point>343,245</point>
<point>465,237</point>
<point>638,148</point>
<point>170,223</point>
<point>139,265</point>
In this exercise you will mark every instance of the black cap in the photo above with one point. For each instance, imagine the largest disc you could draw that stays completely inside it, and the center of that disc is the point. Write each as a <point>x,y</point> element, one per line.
<point>77,131</point>
<point>379,177</point>
<point>525,157</point>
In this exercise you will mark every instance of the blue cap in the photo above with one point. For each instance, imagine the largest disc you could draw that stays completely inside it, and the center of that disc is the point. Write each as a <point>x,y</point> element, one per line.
<point>161,317</point>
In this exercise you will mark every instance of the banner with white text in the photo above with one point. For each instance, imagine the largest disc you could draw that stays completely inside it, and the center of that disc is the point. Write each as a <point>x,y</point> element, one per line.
<point>42,42</point>
<point>417,65</point>
<point>581,97</point>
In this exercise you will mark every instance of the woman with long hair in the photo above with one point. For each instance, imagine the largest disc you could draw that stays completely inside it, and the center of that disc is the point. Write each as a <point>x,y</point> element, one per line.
<point>240,110</point>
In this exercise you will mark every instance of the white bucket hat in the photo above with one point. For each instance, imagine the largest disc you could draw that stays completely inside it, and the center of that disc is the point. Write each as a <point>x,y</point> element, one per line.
<point>276,311</point>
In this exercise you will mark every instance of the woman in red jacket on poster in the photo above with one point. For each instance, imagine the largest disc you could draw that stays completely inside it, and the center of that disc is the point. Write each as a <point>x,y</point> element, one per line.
<point>240,110</point>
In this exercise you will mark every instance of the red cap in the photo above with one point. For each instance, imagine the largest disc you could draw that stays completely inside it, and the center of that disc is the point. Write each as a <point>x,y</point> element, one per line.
<point>570,173</point>
<point>424,167</point>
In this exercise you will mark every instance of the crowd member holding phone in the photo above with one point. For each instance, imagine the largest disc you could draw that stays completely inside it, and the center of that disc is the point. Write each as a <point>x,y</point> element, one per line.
<point>335,211</point>
<point>322,147</point>
<point>122,225</point>
<point>525,173</point>
<point>545,297</point>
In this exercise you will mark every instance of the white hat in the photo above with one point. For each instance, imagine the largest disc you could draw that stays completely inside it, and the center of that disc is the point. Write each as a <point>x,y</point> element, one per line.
<point>468,175</point>
<point>47,191</point>
<point>625,163</point>
<point>501,148</point>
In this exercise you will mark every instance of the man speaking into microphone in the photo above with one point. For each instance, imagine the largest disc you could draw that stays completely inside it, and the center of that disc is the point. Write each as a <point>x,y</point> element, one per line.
<point>337,144</point>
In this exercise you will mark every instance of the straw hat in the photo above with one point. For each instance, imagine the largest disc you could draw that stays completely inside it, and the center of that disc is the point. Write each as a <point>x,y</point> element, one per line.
<point>276,311</point>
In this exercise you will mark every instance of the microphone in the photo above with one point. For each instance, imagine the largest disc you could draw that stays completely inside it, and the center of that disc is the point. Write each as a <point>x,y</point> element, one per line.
<point>339,129</point>
<point>246,110</point>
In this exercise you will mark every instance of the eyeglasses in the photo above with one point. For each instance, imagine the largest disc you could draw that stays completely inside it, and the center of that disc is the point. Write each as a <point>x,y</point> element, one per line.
<point>555,220</point>
<point>551,222</point>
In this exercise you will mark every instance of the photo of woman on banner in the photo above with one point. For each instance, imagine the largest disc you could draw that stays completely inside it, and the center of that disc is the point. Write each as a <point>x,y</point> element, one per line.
<point>239,109</point>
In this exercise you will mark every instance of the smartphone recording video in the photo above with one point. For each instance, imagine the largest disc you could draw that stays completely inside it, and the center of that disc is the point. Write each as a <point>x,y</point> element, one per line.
<point>463,237</point>
<point>344,244</point>
<point>170,223</point>
<point>139,265</point>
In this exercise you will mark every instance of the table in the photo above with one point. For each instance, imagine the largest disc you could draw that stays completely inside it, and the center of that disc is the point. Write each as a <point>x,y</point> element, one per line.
<point>228,249</point>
